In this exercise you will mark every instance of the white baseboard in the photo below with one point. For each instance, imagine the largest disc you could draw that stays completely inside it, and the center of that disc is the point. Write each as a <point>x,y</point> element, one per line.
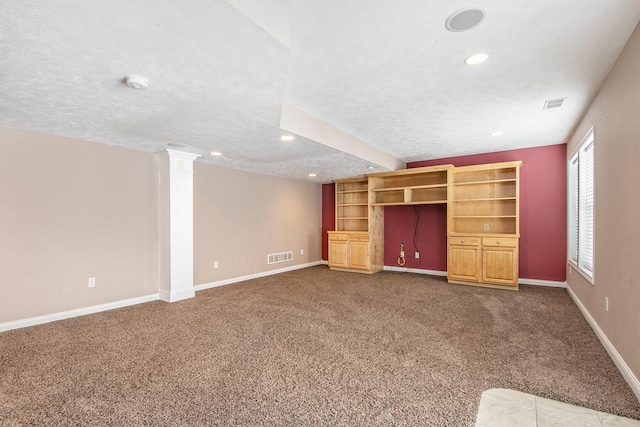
<point>624,369</point>
<point>535,282</point>
<point>174,296</point>
<point>165,296</point>
<point>538,282</point>
<point>414,270</point>
<point>254,276</point>
<point>31,321</point>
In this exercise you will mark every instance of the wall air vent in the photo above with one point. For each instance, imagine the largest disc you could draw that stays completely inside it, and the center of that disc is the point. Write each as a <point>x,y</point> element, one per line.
<point>553,103</point>
<point>279,257</point>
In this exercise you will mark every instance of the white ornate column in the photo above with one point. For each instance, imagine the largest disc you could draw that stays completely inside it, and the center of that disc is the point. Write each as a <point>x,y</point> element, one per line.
<point>176,225</point>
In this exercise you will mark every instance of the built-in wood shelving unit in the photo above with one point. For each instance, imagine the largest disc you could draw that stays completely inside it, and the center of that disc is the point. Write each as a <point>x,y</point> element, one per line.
<point>482,219</point>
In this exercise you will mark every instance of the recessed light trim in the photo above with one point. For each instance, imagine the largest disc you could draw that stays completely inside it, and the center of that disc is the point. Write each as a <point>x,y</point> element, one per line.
<point>476,58</point>
<point>215,153</point>
<point>313,175</point>
<point>287,138</point>
<point>498,133</point>
<point>464,20</point>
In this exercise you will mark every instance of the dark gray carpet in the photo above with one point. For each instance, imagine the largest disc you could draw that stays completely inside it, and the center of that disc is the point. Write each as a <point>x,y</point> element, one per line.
<point>309,347</point>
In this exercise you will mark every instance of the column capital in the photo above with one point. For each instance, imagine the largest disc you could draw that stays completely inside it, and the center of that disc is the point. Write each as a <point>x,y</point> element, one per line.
<point>176,160</point>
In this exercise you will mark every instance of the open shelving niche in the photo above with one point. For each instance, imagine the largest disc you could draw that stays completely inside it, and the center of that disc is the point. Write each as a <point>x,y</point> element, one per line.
<point>417,186</point>
<point>352,204</point>
<point>485,200</point>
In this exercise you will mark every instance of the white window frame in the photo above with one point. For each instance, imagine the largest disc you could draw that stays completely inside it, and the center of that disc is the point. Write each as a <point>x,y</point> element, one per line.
<point>581,207</point>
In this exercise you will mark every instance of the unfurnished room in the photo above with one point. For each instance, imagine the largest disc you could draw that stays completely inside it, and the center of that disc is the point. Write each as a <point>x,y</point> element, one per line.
<point>320,213</point>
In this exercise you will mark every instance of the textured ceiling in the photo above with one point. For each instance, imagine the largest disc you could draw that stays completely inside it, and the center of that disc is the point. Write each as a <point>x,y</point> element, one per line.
<point>384,79</point>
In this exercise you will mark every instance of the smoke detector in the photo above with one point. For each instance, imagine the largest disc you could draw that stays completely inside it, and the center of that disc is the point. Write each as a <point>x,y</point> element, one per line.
<point>136,82</point>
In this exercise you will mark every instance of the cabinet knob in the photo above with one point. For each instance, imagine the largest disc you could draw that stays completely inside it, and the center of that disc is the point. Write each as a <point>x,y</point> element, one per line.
<point>463,241</point>
<point>476,249</point>
<point>498,242</point>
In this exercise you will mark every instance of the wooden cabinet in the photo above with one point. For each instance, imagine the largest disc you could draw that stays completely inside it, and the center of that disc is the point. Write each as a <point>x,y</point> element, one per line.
<point>351,251</point>
<point>465,261</point>
<point>500,261</point>
<point>357,242</point>
<point>338,250</point>
<point>485,209</point>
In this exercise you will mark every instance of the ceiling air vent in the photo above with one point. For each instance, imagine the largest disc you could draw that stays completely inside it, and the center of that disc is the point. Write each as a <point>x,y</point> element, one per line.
<point>553,103</point>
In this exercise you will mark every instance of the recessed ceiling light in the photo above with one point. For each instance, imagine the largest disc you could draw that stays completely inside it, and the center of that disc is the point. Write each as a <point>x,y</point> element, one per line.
<point>287,137</point>
<point>215,153</point>
<point>370,167</point>
<point>476,58</point>
<point>464,20</point>
<point>136,82</point>
<point>496,133</point>
<point>312,175</point>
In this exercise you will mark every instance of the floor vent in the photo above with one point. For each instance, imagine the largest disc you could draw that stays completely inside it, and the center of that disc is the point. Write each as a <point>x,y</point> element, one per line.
<point>553,103</point>
<point>281,257</point>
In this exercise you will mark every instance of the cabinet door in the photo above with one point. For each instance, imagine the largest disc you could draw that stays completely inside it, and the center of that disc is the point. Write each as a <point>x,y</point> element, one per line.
<point>464,263</point>
<point>338,254</point>
<point>359,255</point>
<point>500,265</point>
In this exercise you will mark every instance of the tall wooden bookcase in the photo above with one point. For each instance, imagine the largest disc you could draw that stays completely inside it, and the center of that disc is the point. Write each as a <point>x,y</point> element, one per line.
<point>357,242</point>
<point>484,225</point>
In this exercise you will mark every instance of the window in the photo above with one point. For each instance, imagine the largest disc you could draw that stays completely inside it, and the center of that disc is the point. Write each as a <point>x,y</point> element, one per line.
<point>581,207</point>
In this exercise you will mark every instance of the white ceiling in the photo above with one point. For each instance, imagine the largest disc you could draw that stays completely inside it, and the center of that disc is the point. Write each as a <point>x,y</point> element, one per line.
<point>361,83</point>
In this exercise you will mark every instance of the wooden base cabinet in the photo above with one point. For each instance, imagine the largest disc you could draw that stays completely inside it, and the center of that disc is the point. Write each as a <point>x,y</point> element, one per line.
<point>484,261</point>
<point>500,261</point>
<point>351,252</point>
<point>465,262</point>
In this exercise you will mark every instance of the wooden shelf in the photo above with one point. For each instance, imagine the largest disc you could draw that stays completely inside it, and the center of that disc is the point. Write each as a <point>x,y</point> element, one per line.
<point>432,202</point>
<point>484,216</point>
<point>489,199</point>
<point>496,181</point>
<point>351,191</point>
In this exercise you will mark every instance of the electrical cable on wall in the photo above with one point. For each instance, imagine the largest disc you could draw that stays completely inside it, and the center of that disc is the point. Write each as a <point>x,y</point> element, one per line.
<point>416,220</point>
<point>401,259</point>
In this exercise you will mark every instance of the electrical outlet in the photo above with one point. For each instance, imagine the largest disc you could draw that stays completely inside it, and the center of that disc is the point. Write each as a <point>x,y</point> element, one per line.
<point>417,255</point>
<point>301,251</point>
<point>606,303</point>
<point>486,227</point>
<point>92,282</point>
<point>215,264</point>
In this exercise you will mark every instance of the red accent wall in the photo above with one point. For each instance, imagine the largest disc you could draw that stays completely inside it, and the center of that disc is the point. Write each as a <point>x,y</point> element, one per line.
<point>543,206</point>
<point>328,216</point>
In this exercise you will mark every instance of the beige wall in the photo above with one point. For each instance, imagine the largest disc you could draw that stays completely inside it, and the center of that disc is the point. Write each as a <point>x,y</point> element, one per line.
<point>71,210</point>
<point>614,115</point>
<point>240,217</point>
